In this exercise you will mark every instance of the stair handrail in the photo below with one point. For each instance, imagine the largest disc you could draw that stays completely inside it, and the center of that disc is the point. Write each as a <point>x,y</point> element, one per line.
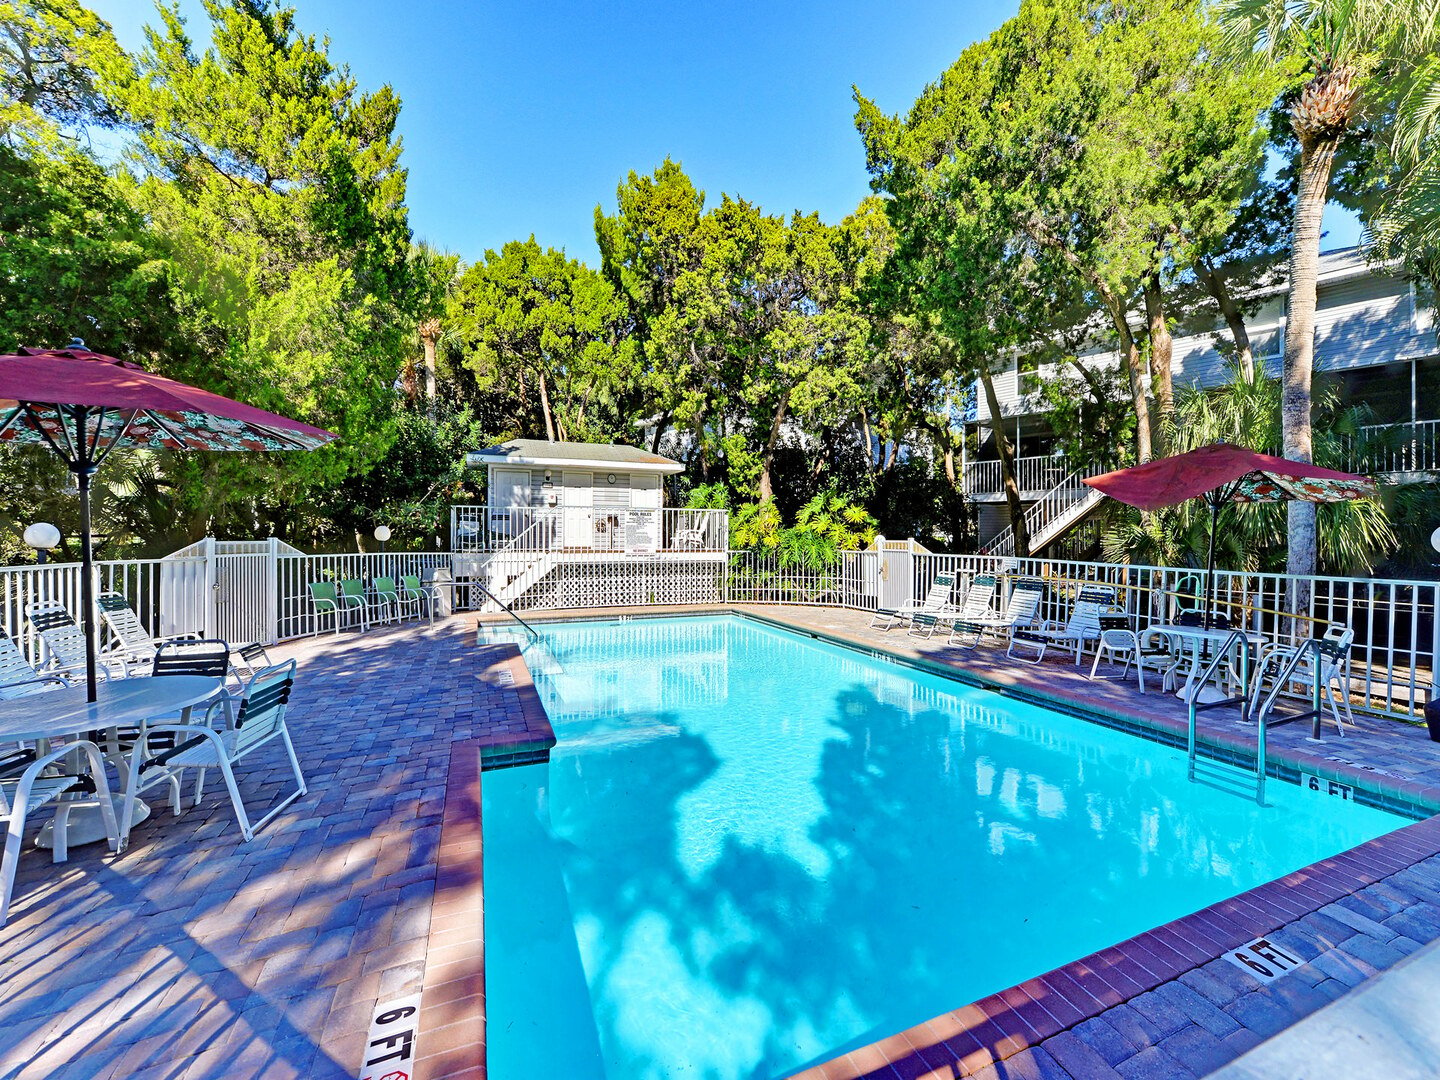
<point>532,555</point>
<point>1045,510</point>
<point>1310,646</point>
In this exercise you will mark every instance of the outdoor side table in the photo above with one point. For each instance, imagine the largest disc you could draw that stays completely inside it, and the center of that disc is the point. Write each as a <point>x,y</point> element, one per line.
<point>1197,637</point>
<point>58,714</point>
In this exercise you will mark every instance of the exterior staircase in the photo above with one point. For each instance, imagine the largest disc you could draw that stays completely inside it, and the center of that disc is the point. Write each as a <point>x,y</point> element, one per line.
<point>514,573</point>
<point>522,562</point>
<point>1055,513</point>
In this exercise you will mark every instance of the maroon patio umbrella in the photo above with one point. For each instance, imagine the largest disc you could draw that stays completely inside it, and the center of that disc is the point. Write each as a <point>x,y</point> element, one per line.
<point>82,405</point>
<point>1223,473</point>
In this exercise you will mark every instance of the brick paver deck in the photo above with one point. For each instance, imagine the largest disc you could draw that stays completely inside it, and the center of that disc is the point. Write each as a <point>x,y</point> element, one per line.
<point>195,955</point>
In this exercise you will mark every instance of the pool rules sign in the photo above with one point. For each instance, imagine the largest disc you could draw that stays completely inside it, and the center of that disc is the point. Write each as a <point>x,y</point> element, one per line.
<point>390,1046</point>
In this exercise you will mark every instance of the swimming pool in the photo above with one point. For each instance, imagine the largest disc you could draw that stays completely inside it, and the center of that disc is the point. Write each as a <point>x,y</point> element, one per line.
<point>752,851</point>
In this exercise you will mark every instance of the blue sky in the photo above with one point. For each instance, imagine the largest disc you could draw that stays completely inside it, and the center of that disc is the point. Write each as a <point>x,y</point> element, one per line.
<point>519,117</point>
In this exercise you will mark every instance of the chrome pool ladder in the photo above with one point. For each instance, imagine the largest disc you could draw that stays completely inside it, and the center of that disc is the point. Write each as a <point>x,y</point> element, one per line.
<point>1250,697</point>
<point>1243,700</point>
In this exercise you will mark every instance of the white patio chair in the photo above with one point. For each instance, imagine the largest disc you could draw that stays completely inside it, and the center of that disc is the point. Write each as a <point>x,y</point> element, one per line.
<point>1332,651</point>
<point>1120,641</point>
<point>976,605</point>
<point>1020,610</point>
<point>64,643</point>
<point>246,660</point>
<point>1082,626</point>
<point>42,781</point>
<point>689,535</point>
<point>936,600</point>
<point>17,677</point>
<point>259,720</point>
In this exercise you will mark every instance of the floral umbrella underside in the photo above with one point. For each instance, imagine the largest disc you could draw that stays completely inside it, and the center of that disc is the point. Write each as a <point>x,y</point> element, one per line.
<point>71,399</point>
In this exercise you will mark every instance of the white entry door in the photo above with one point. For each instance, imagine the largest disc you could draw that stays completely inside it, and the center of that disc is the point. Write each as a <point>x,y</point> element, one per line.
<point>579,517</point>
<point>509,502</point>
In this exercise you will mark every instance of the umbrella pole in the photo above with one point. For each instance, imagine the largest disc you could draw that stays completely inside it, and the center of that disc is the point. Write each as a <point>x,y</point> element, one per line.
<point>1207,615</point>
<point>87,578</point>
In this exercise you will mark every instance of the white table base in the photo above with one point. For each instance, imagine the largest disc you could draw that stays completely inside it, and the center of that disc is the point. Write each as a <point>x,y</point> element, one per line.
<point>86,826</point>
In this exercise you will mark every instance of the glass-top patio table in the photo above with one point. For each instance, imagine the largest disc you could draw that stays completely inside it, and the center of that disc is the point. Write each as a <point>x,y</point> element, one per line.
<point>57,714</point>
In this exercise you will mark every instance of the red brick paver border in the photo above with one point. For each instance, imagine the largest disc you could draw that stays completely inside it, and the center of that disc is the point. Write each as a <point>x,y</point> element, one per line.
<point>452,1004</point>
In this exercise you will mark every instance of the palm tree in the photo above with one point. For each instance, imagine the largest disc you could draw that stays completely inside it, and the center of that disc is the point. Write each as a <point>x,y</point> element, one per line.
<point>1339,45</point>
<point>433,273</point>
<point>429,331</point>
<point>1406,225</point>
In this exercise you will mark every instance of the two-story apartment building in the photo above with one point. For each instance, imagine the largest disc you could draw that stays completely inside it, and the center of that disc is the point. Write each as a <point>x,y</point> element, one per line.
<point>1374,335</point>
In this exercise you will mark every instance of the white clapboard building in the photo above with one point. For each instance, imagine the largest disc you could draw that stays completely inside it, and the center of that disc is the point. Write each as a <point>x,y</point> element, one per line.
<point>574,524</point>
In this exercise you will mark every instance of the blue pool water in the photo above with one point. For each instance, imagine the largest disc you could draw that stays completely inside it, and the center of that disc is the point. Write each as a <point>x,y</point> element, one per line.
<point>752,851</point>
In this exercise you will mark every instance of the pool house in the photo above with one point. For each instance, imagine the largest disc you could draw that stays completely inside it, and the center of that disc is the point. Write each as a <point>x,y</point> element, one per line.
<point>564,522</point>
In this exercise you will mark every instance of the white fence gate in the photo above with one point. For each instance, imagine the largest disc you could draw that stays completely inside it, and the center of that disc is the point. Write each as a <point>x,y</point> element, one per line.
<point>245,595</point>
<point>897,568</point>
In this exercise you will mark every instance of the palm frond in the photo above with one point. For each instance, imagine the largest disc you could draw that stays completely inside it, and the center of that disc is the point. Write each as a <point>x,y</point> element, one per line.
<point>1417,115</point>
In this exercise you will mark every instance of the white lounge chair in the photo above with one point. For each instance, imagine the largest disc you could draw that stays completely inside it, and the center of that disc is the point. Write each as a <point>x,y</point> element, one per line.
<point>1020,610</point>
<point>135,646</point>
<point>936,600</point>
<point>978,599</point>
<point>17,677</point>
<point>1082,626</point>
<point>64,643</point>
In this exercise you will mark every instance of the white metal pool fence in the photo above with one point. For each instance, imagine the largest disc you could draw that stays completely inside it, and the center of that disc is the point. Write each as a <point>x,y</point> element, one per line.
<point>1397,635</point>
<point>561,526</point>
<point>261,592</point>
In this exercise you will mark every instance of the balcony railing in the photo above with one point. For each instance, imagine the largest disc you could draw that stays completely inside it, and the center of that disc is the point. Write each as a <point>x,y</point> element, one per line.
<point>1040,473</point>
<point>1398,448</point>
<point>630,530</point>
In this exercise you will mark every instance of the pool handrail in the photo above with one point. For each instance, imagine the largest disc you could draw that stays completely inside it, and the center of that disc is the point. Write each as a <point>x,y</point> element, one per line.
<point>534,636</point>
<point>1243,700</point>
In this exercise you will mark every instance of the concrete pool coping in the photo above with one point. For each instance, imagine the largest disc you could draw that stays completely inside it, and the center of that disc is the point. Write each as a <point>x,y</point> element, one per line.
<point>1061,1023</point>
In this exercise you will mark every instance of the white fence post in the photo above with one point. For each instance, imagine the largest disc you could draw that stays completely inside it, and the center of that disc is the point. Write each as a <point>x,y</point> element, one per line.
<point>272,592</point>
<point>212,586</point>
